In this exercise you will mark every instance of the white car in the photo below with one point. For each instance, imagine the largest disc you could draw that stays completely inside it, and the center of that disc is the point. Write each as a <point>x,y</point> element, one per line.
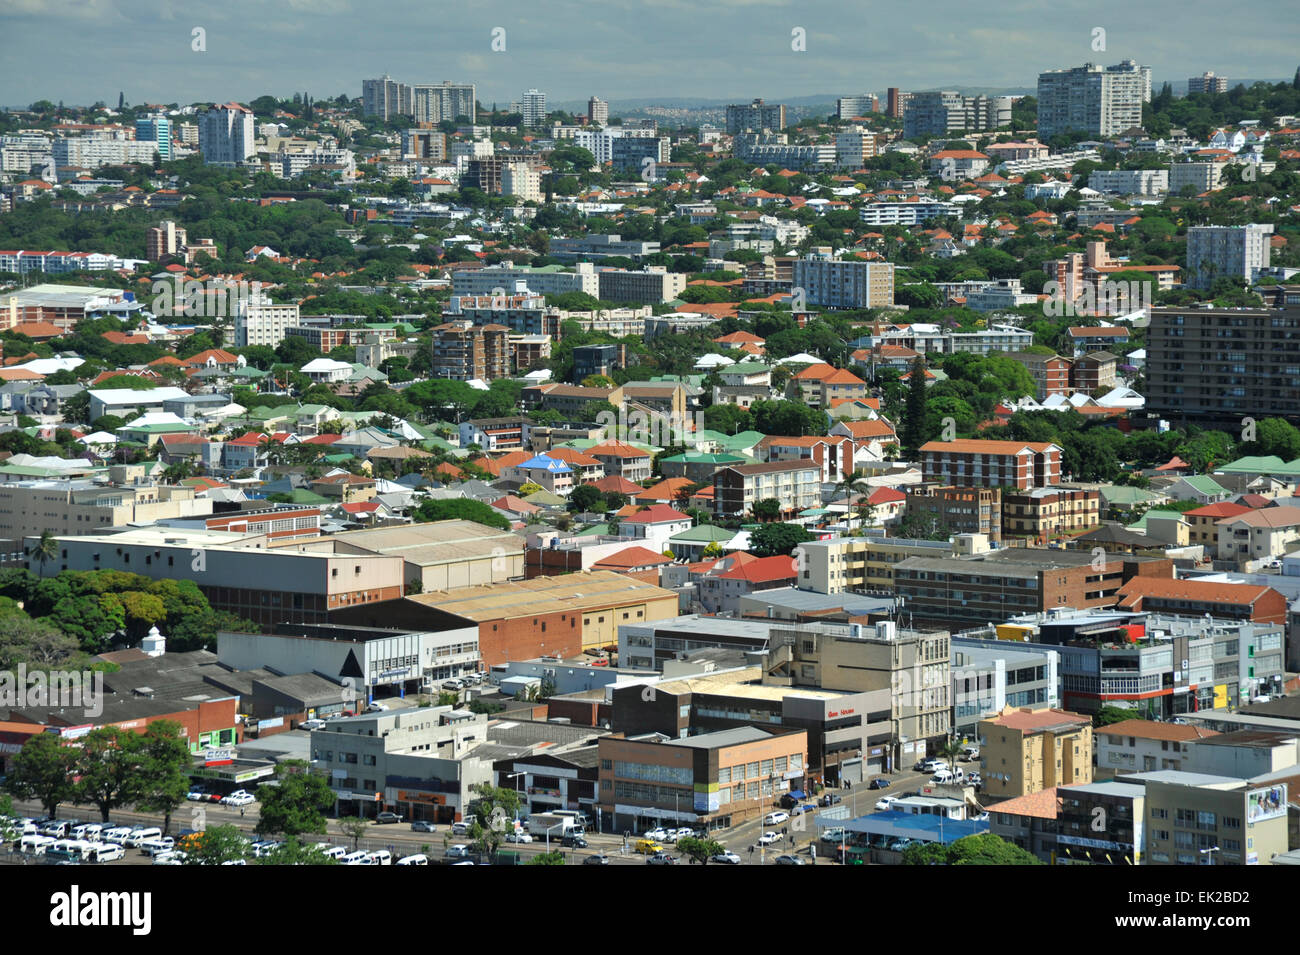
<point>776,818</point>
<point>521,837</point>
<point>239,798</point>
<point>726,858</point>
<point>685,832</point>
<point>885,802</point>
<point>768,838</point>
<point>657,834</point>
<point>311,725</point>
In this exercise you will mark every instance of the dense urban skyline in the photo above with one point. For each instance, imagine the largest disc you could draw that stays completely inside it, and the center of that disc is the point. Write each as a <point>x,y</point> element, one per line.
<point>737,48</point>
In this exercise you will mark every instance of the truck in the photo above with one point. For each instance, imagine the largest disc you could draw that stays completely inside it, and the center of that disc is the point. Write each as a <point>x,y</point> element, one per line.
<point>540,822</point>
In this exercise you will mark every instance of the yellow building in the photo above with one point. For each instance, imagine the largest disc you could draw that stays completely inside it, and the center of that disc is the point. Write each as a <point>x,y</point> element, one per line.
<point>1024,751</point>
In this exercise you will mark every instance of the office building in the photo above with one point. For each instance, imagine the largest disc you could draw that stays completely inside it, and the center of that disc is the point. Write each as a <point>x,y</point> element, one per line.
<point>629,154</point>
<point>597,111</point>
<point>832,284</point>
<point>986,681</point>
<point>1207,83</point>
<point>1024,751</point>
<point>1202,819</point>
<point>1225,363</point>
<point>755,117</point>
<point>655,285</point>
<point>1100,101</point>
<point>385,98</point>
<point>445,102</point>
<point>947,112</point>
<point>1199,176</point>
<point>1220,251</point>
<point>849,107</point>
<point>156,129</point>
<point>226,134</point>
<point>533,107</point>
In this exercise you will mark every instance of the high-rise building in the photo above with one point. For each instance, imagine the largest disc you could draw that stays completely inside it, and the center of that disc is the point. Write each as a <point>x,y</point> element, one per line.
<point>945,112</point>
<point>896,102</point>
<point>443,102</point>
<point>1223,251</point>
<point>533,108</point>
<point>429,145</point>
<point>463,351</point>
<point>1195,371</point>
<point>1207,83</point>
<point>258,321</point>
<point>385,98</point>
<point>156,129</point>
<point>755,117</point>
<point>164,240</point>
<point>847,107</point>
<point>226,134</point>
<point>628,154</point>
<point>833,284</point>
<point>854,146</point>
<point>1098,101</point>
<point>597,111</point>
<point>522,181</point>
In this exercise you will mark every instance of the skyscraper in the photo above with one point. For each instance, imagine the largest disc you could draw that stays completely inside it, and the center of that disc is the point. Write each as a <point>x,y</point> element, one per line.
<point>598,111</point>
<point>442,102</point>
<point>226,134</point>
<point>158,130</point>
<point>533,107</point>
<point>941,113</point>
<point>755,117</point>
<point>1098,101</point>
<point>1223,251</point>
<point>385,98</point>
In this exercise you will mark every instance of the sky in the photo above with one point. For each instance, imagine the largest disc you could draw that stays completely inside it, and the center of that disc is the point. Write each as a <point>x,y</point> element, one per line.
<point>81,51</point>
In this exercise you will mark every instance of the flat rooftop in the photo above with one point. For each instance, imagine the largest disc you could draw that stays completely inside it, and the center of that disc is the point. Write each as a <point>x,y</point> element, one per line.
<point>439,542</point>
<point>731,737</point>
<point>591,590</point>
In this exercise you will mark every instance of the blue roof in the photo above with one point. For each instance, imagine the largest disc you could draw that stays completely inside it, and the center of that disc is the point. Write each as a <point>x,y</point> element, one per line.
<point>544,463</point>
<point>905,825</point>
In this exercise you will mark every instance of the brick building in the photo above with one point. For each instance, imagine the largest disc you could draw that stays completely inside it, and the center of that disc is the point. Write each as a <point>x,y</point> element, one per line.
<point>975,463</point>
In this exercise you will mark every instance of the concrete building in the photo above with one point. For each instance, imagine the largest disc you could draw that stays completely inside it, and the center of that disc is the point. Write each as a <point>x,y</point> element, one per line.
<point>465,352</point>
<point>226,134</point>
<point>1192,817</point>
<point>77,507</point>
<point>860,564</point>
<point>1047,513</point>
<point>962,510</point>
<point>755,117</point>
<point>1191,374</point>
<point>656,285</point>
<point>1207,83</point>
<point>977,463</point>
<point>260,321</point>
<point>1200,176</point>
<point>443,102</point>
<point>385,98</point>
<point>1129,182</point>
<point>548,280</point>
<point>597,111</point>
<point>1215,252</point>
<point>854,657</point>
<point>1025,751</point>
<point>796,484</point>
<point>1100,101</point>
<point>442,555</point>
<point>986,681</point>
<point>1137,746</point>
<point>834,284</point>
<point>850,107</point>
<point>947,112</point>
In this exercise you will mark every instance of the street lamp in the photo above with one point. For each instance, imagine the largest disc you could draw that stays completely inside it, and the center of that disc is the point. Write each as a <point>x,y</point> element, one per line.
<point>1209,853</point>
<point>518,789</point>
<point>548,833</point>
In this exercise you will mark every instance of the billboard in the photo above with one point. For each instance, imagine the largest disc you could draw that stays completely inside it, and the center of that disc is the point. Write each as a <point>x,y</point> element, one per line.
<point>1266,803</point>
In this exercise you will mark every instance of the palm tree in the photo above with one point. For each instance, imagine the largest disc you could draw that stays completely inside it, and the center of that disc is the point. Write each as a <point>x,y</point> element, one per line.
<point>853,484</point>
<point>47,548</point>
<point>950,751</point>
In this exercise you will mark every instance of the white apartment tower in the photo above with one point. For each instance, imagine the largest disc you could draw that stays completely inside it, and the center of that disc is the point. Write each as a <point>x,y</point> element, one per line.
<point>385,98</point>
<point>258,321</point>
<point>533,108</point>
<point>226,134</point>
<point>1099,101</point>
<point>443,102</point>
<point>1219,251</point>
<point>598,111</point>
<point>1207,83</point>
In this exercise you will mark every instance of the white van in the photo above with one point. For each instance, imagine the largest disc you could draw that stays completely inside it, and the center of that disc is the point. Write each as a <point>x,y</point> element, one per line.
<point>355,858</point>
<point>334,852</point>
<point>942,777</point>
<point>35,845</point>
<point>72,849</point>
<point>381,857</point>
<point>117,835</point>
<point>153,847</point>
<point>106,852</point>
<point>418,859</point>
<point>88,831</point>
<point>138,837</point>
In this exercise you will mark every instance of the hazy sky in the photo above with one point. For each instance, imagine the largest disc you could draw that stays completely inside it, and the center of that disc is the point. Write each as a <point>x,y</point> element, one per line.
<point>81,51</point>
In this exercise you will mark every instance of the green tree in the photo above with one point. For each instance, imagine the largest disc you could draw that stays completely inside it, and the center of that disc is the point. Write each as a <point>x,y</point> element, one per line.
<point>110,769</point>
<point>462,509</point>
<point>554,857</point>
<point>165,763</point>
<point>46,549</point>
<point>769,540</point>
<point>215,846</point>
<point>912,433</point>
<point>43,770</point>
<point>353,827</point>
<point>298,804</point>
<point>985,849</point>
<point>768,509</point>
<point>293,852</point>
<point>586,498</point>
<point>700,850</point>
<point>493,811</point>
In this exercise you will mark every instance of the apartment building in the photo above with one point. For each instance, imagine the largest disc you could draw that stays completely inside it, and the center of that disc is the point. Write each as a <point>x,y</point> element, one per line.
<point>29,508</point>
<point>1139,746</point>
<point>1202,819</point>
<point>427,145</point>
<point>853,147</point>
<point>226,134</point>
<point>1024,751</point>
<point>532,106</point>
<point>597,111</point>
<point>1047,513</point>
<point>1129,182</point>
<point>796,484</point>
<point>466,352</point>
<point>259,321</point>
<point>755,117</point>
<point>622,460</point>
<point>385,98</point>
<point>824,386</point>
<point>1223,364</point>
<point>547,280</point>
<point>656,285</point>
<point>1207,83</point>
<point>1215,251</point>
<point>850,107</point>
<point>833,284</point>
<point>1258,536</point>
<point>445,101</point>
<point>914,665</point>
<point>975,463</point>
<point>943,113</point>
<point>164,240</point>
<point>962,510</point>
<point>913,211</point>
<point>973,590</point>
<point>1100,101</point>
<point>1193,597</point>
<point>860,564</point>
<point>1051,373</point>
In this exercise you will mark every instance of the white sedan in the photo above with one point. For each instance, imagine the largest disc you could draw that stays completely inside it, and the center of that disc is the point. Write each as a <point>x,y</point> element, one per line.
<point>885,803</point>
<point>522,837</point>
<point>240,798</point>
<point>726,858</point>
<point>768,838</point>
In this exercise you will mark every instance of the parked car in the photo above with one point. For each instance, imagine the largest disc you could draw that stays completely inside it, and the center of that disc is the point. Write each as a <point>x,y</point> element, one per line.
<point>661,858</point>
<point>658,834</point>
<point>417,859</point>
<point>518,836</point>
<point>648,847</point>
<point>387,818</point>
<point>598,859</point>
<point>453,685</point>
<point>768,838</point>
<point>830,799</point>
<point>376,708</point>
<point>885,803</point>
<point>572,840</point>
<point>312,725</point>
<point>239,798</point>
<point>726,858</point>
<point>789,860</point>
<point>196,795</point>
<point>423,825</point>
<point>460,828</point>
<point>776,818</point>
<point>880,782</point>
<point>457,852</point>
<point>832,835</point>
<point>805,808</point>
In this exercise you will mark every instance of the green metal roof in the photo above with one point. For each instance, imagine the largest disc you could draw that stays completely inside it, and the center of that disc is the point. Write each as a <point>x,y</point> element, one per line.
<point>1141,523</point>
<point>1268,464</point>
<point>703,534</point>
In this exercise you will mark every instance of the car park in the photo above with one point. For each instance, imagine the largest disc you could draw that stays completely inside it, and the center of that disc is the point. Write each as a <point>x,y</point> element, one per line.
<point>107,852</point>
<point>775,818</point>
<point>423,825</point>
<point>89,831</point>
<point>56,829</point>
<point>118,834</point>
<point>725,858</point>
<point>768,838</point>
